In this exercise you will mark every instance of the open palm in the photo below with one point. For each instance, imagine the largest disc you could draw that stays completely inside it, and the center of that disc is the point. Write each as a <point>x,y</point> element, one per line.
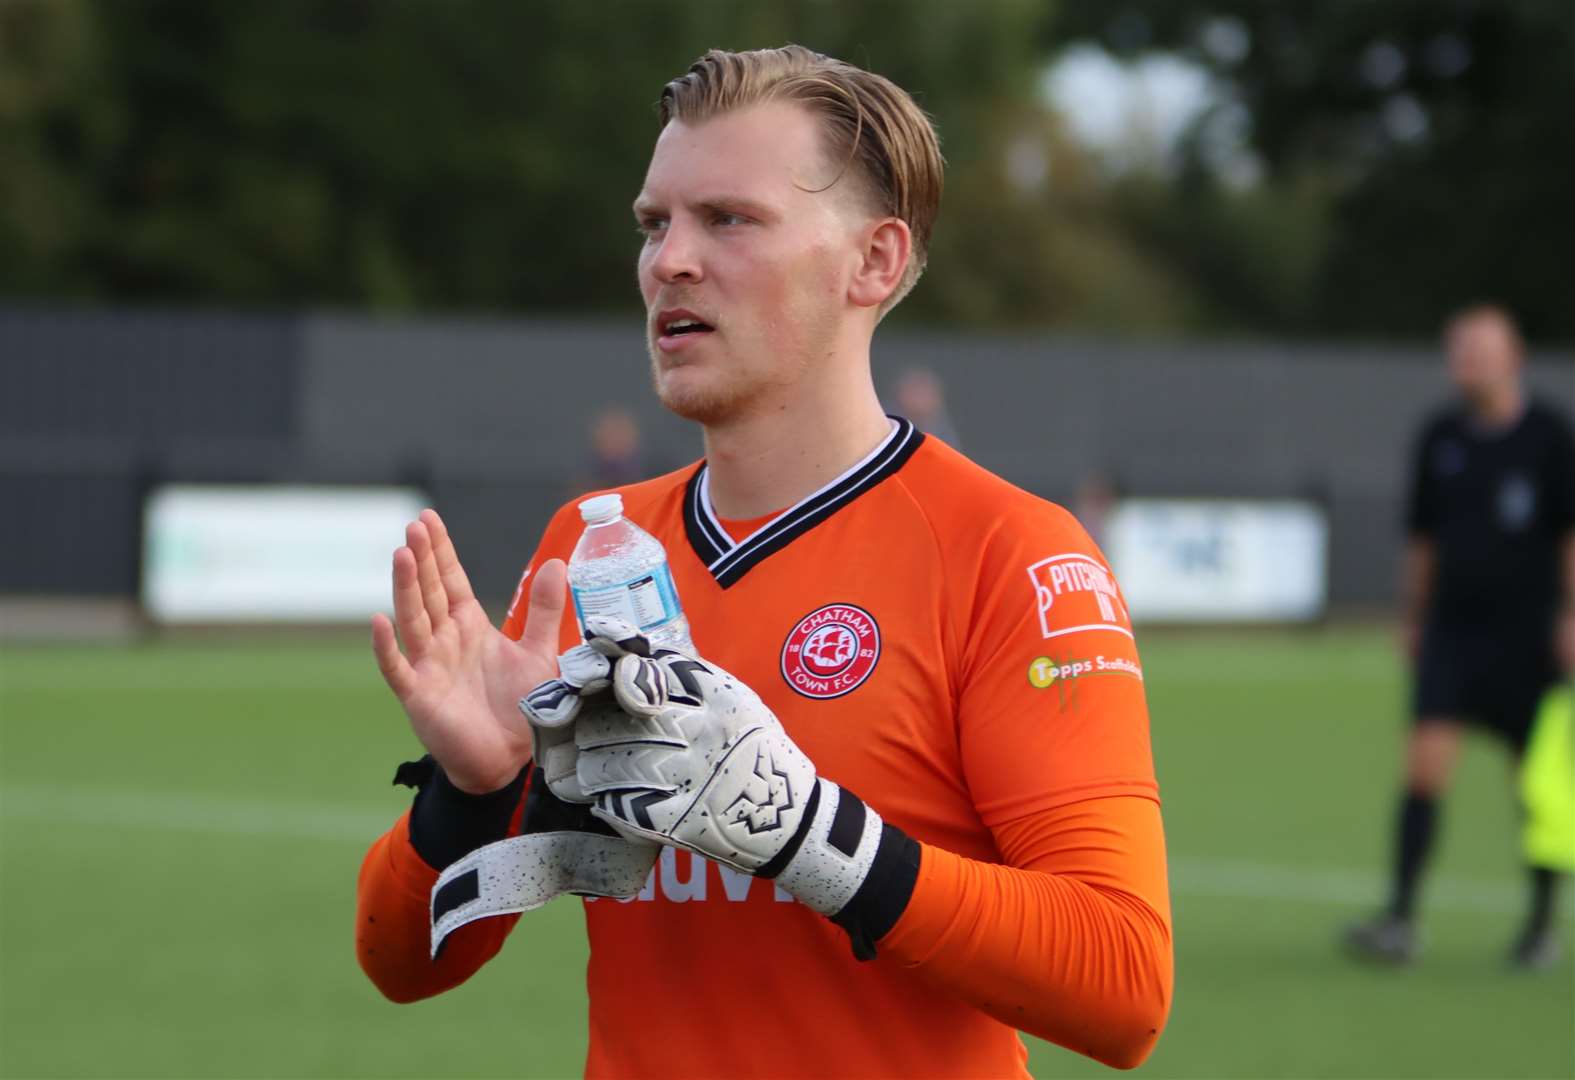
<point>458,678</point>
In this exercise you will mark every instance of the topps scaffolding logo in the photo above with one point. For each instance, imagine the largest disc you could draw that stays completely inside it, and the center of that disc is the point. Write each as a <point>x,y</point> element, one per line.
<point>1076,593</point>
<point>831,651</point>
<point>1044,672</point>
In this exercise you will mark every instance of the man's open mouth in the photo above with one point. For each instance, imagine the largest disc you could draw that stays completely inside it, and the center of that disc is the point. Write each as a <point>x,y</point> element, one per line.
<point>687,326</point>
<point>678,322</point>
<point>680,327</point>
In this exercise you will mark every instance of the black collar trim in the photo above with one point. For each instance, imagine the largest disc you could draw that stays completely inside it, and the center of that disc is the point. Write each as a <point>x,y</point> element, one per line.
<point>729,560</point>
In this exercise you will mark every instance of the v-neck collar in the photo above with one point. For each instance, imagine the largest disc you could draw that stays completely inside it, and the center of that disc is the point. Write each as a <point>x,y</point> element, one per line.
<point>728,560</point>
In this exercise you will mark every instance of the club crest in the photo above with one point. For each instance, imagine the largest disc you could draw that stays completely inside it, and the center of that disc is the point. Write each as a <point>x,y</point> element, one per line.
<point>831,651</point>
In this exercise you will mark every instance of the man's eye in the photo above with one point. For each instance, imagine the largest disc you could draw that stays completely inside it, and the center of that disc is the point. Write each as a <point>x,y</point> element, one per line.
<point>731,219</point>
<point>651,226</point>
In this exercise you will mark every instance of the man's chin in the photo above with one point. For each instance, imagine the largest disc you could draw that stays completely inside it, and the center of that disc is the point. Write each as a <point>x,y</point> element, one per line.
<point>703,405</point>
<point>684,391</point>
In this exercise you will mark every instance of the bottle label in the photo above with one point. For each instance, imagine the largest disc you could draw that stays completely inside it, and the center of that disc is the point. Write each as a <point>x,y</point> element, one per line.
<point>645,602</point>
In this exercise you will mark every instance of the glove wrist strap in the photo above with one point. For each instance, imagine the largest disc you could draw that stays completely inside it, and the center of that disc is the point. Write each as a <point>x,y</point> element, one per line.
<point>525,872</point>
<point>836,848</point>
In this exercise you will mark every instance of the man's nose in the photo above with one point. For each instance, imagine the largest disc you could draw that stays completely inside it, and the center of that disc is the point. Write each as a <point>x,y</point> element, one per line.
<point>677,257</point>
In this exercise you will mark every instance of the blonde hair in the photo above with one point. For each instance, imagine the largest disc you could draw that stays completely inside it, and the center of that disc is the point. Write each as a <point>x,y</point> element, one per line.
<point>871,124</point>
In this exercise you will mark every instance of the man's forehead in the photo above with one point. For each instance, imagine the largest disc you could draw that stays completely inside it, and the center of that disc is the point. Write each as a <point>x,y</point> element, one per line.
<point>765,151</point>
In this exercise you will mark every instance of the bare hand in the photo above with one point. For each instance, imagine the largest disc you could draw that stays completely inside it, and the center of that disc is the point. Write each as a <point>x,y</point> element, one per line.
<point>459,678</point>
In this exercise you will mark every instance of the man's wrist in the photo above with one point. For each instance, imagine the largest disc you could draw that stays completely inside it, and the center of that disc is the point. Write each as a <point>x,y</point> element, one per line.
<point>448,823</point>
<point>850,865</point>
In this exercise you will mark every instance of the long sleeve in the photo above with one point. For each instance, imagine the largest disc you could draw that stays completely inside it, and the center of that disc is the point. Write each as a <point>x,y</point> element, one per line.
<point>1070,941</point>
<point>393,928</point>
<point>393,892</point>
<point>1067,936</point>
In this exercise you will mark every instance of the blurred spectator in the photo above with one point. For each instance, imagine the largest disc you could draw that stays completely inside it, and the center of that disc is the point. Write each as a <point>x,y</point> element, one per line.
<point>616,456</point>
<point>922,399</point>
<point>1491,549</point>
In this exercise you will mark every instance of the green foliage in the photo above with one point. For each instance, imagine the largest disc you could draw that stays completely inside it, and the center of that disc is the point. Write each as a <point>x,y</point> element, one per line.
<point>403,155</point>
<point>181,824</point>
<point>1430,146</point>
<point>395,155</point>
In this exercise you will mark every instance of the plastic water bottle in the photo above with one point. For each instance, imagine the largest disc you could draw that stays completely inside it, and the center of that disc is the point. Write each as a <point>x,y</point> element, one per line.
<point>618,569</point>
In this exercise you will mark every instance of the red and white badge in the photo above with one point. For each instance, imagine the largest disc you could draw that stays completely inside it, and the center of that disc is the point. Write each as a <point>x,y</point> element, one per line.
<point>831,651</point>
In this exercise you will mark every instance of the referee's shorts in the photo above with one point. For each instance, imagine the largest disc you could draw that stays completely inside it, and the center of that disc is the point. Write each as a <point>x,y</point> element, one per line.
<point>1490,676</point>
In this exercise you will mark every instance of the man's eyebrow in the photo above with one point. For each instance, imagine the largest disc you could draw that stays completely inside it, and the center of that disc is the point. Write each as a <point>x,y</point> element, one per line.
<point>644,206</point>
<point>736,204</point>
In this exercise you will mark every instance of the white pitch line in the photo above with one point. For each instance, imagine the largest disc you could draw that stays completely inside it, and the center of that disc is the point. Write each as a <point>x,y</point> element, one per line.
<point>194,679</point>
<point>1226,878</point>
<point>17,677</point>
<point>1190,875</point>
<point>106,809</point>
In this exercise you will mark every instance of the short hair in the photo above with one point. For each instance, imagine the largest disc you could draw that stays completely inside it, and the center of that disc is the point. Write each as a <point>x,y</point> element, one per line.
<point>870,124</point>
<point>1493,312</point>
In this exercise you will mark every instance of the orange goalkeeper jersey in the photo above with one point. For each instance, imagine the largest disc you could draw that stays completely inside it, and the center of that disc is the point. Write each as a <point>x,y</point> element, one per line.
<point>957,653</point>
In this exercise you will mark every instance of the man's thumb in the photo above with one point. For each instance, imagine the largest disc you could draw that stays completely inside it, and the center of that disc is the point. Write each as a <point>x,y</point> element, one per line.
<point>545,615</point>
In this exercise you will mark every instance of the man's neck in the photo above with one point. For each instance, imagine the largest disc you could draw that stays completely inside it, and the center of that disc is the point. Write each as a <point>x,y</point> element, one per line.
<point>1500,409</point>
<point>780,452</point>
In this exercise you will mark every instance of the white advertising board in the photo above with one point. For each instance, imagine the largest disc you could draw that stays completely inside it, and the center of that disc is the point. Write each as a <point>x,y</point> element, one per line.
<point>270,553</point>
<point>1220,560</point>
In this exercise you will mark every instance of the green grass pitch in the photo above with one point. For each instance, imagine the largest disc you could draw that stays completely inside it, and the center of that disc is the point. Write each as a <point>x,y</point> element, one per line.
<point>181,824</point>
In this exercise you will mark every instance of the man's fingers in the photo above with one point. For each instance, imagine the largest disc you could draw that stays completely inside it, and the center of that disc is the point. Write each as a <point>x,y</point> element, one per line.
<point>585,670</point>
<point>545,614</point>
<point>551,705</point>
<point>410,612</point>
<point>433,595</point>
<point>397,673</point>
<point>640,686</point>
<point>455,583</point>
<point>613,637</point>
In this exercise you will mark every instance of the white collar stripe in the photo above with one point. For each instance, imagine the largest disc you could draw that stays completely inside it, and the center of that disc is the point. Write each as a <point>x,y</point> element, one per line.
<point>729,561</point>
<point>838,490</point>
<point>719,536</point>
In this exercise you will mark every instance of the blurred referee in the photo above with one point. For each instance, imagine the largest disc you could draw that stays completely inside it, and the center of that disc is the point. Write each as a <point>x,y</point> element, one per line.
<point>1491,550</point>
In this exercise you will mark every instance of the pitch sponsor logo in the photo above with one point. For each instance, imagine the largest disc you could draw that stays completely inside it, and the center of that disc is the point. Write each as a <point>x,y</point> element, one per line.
<point>1044,672</point>
<point>1075,592</point>
<point>831,651</point>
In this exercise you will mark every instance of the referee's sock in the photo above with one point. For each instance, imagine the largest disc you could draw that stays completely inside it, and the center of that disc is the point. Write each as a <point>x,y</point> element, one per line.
<point>1544,883</point>
<point>1417,826</point>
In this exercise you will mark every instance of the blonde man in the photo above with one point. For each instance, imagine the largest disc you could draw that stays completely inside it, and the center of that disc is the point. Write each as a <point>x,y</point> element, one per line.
<point>950,790</point>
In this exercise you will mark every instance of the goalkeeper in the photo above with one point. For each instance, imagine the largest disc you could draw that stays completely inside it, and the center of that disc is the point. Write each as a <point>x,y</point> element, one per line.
<point>902,805</point>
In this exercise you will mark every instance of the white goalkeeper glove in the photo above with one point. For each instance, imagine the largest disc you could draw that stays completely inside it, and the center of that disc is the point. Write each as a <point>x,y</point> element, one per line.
<point>562,848</point>
<point>700,762</point>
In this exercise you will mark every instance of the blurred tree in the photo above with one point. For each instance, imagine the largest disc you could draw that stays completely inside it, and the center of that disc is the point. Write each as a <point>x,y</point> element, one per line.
<point>481,154</point>
<point>402,154</point>
<point>1419,154</point>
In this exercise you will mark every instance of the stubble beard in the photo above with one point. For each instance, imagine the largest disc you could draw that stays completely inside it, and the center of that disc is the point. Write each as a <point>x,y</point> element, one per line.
<point>701,404</point>
<point>714,402</point>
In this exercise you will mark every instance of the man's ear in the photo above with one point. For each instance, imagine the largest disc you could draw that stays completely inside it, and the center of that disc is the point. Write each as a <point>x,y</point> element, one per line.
<point>887,247</point>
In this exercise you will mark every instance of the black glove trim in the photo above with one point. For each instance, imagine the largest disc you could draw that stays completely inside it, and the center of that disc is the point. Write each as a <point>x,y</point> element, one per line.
<point>446,824</point>
<point>779,861</point>
<point>885,893</point>
<point>545,812</point>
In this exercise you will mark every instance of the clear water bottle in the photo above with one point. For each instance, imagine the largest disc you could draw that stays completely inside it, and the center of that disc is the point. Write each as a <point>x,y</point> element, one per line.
<point>619,569</point>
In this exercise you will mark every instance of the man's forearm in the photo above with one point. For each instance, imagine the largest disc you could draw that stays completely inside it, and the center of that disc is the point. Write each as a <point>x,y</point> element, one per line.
<point>1077,954</point>
<point>1416,580</point>
<point>393,928</point>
